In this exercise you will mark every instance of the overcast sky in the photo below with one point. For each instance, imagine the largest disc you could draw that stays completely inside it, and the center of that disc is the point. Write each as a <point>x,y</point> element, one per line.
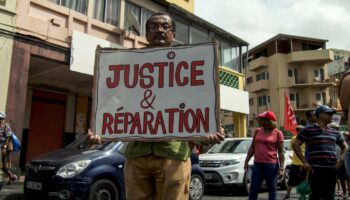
<point>256,21</point>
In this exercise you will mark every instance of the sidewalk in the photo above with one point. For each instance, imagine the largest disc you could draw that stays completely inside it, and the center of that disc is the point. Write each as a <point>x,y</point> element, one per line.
<point>13,191</point>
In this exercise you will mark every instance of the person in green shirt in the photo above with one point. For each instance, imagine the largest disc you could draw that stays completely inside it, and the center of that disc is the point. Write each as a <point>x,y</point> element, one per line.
<point>158,170</point>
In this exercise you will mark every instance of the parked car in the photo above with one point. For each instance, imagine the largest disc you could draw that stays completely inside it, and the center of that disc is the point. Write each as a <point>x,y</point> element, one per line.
<point>223,163</point>
<point>288,153</point>
<point>88,172</point>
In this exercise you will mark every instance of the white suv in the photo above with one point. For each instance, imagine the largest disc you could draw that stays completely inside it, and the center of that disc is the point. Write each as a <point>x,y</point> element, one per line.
<point>223,163</point>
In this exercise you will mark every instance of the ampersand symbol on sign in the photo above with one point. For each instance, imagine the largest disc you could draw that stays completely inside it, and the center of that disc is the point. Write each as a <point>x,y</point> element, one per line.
<point>145,103</point>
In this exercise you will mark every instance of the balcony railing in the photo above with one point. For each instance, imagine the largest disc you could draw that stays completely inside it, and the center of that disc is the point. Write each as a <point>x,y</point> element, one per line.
<point>230,78</point>
<point>258,86</point>
<point>302,83</point>
<point>317,56</point>
<point>258,63</point>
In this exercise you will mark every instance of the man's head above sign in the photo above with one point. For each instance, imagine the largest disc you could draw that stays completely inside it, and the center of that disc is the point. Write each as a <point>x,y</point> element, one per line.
<point>160,30</point>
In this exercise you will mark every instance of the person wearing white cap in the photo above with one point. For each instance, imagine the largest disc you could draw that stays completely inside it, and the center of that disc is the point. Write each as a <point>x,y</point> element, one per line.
<point>5,134</point>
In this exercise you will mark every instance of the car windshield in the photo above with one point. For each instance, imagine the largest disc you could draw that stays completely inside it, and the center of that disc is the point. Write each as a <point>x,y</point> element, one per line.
<point>231,146</point>
<point>82,143</point>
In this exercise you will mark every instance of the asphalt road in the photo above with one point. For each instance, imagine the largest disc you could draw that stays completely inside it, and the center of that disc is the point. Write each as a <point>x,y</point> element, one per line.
<point>15,191</point>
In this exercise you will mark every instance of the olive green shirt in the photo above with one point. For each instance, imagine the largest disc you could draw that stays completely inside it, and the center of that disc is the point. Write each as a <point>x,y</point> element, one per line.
<point>173,150</point>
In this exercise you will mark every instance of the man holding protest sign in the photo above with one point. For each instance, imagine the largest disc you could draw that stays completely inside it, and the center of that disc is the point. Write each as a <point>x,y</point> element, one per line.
<point>158,170</point>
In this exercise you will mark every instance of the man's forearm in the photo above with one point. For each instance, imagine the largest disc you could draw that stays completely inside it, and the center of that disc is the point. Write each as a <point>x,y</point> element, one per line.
<point>297,151</point>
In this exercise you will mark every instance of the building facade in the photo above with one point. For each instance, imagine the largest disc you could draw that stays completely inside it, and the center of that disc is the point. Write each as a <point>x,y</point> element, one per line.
<point>288,64</point>
<point>8,19</point>
<point>50,73</point>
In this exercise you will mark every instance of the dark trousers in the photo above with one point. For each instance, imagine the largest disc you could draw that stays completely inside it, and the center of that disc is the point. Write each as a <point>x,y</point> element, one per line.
<point>267,172</point>
<point>322,183</point>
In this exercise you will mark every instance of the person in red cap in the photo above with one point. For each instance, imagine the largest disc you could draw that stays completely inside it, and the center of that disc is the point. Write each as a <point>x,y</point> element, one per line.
<point>267,143</point>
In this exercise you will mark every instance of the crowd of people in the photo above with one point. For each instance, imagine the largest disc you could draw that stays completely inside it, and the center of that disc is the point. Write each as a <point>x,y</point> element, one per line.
<point>161,170</point>
<point>318,157</point>
<point>153,170</point>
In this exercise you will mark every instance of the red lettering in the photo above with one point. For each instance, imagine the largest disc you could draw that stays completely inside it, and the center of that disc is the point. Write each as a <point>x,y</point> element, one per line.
<point>159,121</point>
<point>150,68</point>
<point>171,74</point>
<point>171,112</point>
<point>204,121</point>
<point>195,73</point>
<point>127,121</point>
<point>127,76</point>
<point>136,123</point>
<point>181,121</point>
<point>147,122</point>
<point>118,119</point>
<point>107,123</point>
<point>182,64</point>
<point>161,73</point>
<point>116,69</point>
<point>187,125</point>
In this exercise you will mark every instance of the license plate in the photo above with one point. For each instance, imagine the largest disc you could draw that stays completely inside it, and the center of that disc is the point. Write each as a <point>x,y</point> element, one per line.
<point>34,185</point>
<point>208,176</point>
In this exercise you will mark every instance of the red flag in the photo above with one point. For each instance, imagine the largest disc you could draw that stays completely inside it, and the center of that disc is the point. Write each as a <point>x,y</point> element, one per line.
<point>290,122</point>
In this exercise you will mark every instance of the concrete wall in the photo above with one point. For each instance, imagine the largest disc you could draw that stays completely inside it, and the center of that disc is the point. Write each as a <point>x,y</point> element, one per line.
<point>8,18</point>
<point>185,4</point>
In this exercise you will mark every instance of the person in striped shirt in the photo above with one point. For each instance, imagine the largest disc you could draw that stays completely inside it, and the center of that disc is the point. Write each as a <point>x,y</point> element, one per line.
<point>322,159</point>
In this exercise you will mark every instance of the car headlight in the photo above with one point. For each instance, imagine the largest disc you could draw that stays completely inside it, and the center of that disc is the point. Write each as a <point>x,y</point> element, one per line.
<point>229,162</point>
<point>72,169</point>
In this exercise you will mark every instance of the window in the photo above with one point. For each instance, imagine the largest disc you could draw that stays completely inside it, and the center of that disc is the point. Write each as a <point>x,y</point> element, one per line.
<point>228,54</point>
<point>199,35</point>
<point>249,80</point>
<point>292,97</point>
<point>321,97</point>
<point>77,5</point>
<point>263,100</point>
<point>262,53</point>
<point>229,127</point>
<point>292,72</point>
<point>307,46</point>
<point>319,74</point>
<point>141,15</point>
<point>251,123</point>
<point>107,11</point>
<point>182,30</point>
<point>251,101</point>
<point>262,76</point>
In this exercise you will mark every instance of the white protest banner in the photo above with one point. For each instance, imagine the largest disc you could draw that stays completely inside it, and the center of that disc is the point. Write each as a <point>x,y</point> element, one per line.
<point>156,93</point>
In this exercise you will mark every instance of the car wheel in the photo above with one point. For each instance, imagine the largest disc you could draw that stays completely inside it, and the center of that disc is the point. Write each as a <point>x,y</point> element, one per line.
<point>103,190</point>
<point>284,183</point>
<point>247,180</point>
<point>196,187</point>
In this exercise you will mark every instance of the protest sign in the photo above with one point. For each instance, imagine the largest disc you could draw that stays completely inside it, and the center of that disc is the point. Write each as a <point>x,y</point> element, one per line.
<point>156,93</point>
